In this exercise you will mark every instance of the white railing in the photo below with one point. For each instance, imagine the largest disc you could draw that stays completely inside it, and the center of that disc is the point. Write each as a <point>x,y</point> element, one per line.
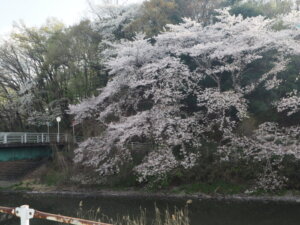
<point>32,138</point>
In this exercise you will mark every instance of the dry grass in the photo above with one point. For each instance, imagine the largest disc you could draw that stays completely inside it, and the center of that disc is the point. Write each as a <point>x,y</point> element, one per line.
<point>166,217</point>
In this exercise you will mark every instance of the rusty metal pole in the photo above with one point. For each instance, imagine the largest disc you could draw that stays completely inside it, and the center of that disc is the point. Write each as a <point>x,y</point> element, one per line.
<point>25,214</point>
<point>65,219</point>
<point>7,210</point>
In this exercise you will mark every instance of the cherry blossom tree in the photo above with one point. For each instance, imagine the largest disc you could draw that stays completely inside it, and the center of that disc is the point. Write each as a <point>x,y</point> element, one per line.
<point>269,144</point>
<point>289,104</point>
<point>184,86</point>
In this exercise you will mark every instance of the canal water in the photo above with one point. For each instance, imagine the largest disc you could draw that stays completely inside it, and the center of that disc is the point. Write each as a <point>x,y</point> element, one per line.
<point>201,212</point>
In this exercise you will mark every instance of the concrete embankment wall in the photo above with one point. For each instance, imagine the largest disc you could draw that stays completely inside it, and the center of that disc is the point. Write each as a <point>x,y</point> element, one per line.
<point>14,170</point>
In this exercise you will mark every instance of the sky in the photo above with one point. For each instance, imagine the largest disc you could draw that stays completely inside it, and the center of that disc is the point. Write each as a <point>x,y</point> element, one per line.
<point>36,12</point>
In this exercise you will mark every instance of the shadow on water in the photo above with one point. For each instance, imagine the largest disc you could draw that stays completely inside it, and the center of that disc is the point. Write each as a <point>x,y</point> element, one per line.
<point>202,212</point>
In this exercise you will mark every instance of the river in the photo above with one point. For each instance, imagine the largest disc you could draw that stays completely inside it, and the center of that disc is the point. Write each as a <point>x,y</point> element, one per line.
<point>202,211</point>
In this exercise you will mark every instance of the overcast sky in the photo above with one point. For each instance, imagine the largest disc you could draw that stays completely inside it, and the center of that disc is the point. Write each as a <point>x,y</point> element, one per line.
<point>36,12</point>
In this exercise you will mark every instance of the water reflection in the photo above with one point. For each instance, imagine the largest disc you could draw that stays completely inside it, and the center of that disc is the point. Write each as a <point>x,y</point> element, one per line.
<point>202,212</point>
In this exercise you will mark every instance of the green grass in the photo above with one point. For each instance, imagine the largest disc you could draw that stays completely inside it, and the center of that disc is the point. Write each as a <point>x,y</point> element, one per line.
<point>53,178</point>
<point>219,187</point>
<point>20,187</point>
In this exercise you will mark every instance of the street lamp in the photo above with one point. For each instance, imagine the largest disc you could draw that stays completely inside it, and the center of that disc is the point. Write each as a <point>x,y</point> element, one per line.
<point>48,129</point>
<point>58,119</point>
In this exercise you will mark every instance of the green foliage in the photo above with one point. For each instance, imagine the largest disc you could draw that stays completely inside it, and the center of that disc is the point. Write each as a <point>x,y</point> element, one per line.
<point>53,178</point>
<point>124,180</point>
<point>210,175</point>
<point>21,187</point>
<point>247,10</point>
<point>217,187</point>
<point>161,183</point>
<point>291,170</point>
<point>268,9</point>
<point>61,64</point>
<point>231,2</point>
<point>247,126</point>
<point>155,15</point>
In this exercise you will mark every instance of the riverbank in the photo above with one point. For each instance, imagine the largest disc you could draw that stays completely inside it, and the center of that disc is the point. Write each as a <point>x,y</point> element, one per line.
<point>214,191</point>
<point>148,195</point>
<point>47,181</point>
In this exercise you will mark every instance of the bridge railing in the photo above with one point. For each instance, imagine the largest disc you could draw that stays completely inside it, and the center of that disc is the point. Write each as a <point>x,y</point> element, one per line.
<point>32,138</point>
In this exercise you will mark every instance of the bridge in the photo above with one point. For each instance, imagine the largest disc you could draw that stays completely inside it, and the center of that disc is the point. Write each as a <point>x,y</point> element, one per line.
<point>22,146</point>
<point>26,145</point>
<point>21,152</point>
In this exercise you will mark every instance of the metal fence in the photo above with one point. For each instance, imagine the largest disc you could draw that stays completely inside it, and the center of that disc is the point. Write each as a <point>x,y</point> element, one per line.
<point>26,214</point>
<point>33,138</point>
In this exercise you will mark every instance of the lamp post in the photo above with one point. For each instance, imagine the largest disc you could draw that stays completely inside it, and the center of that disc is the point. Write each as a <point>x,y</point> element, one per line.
<point>73,129</point>
<point>58,119</point>
<point>48,129</point>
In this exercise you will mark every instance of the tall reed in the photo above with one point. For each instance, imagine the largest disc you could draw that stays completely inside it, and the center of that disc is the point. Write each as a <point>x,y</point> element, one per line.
<point>162,217</point>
